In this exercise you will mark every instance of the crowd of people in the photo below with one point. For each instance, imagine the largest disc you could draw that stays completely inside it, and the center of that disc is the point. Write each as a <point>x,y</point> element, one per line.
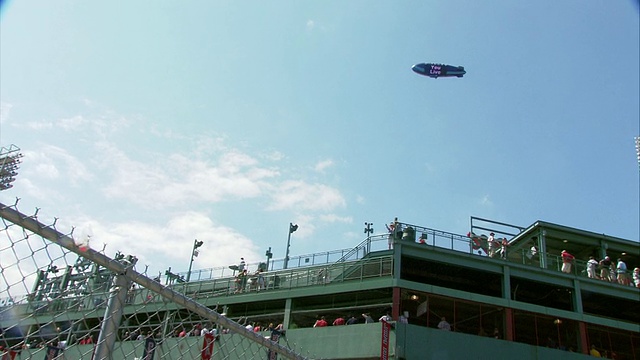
<point>612,271</point>
<point>365,318</point>
<point>245,281</point>
<point>605,269</point>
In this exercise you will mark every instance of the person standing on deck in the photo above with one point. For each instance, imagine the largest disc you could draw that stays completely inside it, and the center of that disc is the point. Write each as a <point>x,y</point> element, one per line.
<point>567,259</point>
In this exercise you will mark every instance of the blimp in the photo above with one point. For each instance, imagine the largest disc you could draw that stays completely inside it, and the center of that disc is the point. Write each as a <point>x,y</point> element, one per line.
<point>438,70</point>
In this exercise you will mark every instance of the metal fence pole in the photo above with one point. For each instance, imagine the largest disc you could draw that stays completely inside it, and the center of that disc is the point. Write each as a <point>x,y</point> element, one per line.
<point>112,318</point>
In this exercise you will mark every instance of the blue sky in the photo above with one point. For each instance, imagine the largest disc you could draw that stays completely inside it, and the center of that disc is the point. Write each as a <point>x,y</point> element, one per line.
<point>155,123</point>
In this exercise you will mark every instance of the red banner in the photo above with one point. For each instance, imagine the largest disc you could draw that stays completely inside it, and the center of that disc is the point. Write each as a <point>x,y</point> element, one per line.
<point>386,333</point>
<point>9,355</point>
<point>207,346</point>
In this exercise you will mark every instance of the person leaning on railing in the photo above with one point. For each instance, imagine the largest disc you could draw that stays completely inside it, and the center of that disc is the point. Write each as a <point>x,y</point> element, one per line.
<point>621,270</point>
<point>567,259</point>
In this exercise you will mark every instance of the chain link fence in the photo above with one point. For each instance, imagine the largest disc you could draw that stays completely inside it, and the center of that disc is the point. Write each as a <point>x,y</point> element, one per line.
<point>59,298</point>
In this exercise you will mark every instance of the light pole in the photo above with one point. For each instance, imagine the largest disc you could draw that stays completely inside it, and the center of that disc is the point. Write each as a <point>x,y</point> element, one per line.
<point>269,255</point>
<point>368,230</point>
<point>292,229</point>
<point>194,254</point>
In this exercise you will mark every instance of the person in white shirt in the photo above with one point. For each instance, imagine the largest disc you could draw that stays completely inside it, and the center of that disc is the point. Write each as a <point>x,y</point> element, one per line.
<point>621,269</point>
<point>492,245</point>
<point>592,264</point>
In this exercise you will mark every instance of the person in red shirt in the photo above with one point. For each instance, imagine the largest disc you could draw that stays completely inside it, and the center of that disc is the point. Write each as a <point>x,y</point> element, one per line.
<point>338,321</point>
<point>567,259</point>
<point>320,322</point>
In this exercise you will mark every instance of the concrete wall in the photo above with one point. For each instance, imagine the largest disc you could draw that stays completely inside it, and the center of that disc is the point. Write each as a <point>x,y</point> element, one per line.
<point>420,343</point>
<point>360,341</point>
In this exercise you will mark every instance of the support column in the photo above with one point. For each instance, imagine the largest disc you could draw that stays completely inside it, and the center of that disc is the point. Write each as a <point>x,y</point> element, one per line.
<point>396,302</point>
<point>542,250</point>
<point>508,328</point>
<point>576,297</point>
<point>287,313</point>
<point>506,282</point>
<point>584,343</point>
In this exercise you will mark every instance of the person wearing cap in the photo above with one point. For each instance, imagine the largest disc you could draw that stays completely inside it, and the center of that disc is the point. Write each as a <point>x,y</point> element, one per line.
<point>605,269</point>
<point>492,245</point>
<point>392,230</point>
<point>567,259</point>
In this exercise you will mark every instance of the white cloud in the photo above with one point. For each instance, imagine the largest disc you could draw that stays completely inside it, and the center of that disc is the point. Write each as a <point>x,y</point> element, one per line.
<point>322,165</point>
<point>333,218</point>
<point>311,24</point>
<point>274,156</point>
<point>5,109</point>
<point>72,123</point>
<point>40,125</point>
<point>178,179</point>
<point>486,200</point>
<point>170,244</point>
<point>53,162</point>
<point>299,195</point>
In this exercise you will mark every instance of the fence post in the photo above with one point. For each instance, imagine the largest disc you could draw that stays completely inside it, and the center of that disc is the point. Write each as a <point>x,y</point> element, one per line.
<point>112,317</point>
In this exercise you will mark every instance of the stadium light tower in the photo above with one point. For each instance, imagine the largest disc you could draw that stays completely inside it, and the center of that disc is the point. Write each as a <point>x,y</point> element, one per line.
<point>9,164</point>
<point>292,229</point>
<point>194,254</point>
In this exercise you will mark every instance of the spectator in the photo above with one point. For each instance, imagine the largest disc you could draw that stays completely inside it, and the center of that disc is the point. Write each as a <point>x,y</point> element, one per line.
<point>591,267</point>
<point>53,350</point>
<point>261,282</point>
<point>367,318</point>
<point>492,245</point>
<point>531,254</point>
<point>391,228</point>
<point>444,325</point>
<point>242,265</point>
<point>320,322</point>
<point>404,318</point>
<point>339,321</point>
<point>636,277</point>
<point>386,317</point>
<point>621,270</point>
<point>594,352</point>
<point>503,248</point>
<point>352,320</point>
<point>567,259</point>
<point>605,268</point>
